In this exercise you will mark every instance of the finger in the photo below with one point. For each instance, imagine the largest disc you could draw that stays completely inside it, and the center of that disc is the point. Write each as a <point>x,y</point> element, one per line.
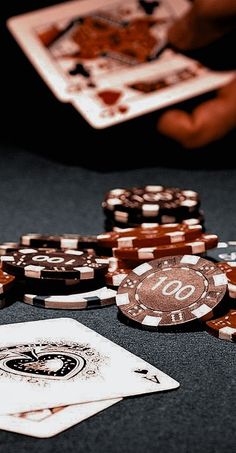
<point>204,23</point>
<point>209,122</point>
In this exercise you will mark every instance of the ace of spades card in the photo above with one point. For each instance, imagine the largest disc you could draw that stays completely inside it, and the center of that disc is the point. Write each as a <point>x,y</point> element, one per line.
<point>60,362</point>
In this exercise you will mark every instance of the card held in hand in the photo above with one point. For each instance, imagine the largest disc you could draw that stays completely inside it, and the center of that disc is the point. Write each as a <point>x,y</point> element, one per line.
<point>106,57</point>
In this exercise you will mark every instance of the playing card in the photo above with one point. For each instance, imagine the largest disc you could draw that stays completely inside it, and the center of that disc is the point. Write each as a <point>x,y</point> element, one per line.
<point>75,43</point>
<point>59,362</point>
<point>104,57</point>
<point>49,422</point>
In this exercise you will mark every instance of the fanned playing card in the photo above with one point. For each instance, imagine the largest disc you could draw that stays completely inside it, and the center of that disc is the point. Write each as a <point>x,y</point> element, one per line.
<point>104,57</point>
<point>59,362</point>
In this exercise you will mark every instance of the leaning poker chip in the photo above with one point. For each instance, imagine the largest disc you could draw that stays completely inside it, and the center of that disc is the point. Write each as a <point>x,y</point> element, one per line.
<point>225,326</point>
<point>200,245</point>
<point>61,242</point>
<point>151,201</point>
<point>67,264</point>
<point>93,299</point>
<point>6,282</point>
<point>144,237</point>
<point>225,251</point>
<point>171,291</point>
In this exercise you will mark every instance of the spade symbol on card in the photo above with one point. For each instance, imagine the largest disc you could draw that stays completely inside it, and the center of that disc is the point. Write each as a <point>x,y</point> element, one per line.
<point>146,375</point>
<point>79,69</point>
<point>44,364</point>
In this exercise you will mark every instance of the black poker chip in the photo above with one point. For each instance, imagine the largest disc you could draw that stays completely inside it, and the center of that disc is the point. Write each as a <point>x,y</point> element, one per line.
<point>225,251</point>
<point>92,299</point>
<point>60,242</point>
<point>68,264</point>
<point>151,201</point>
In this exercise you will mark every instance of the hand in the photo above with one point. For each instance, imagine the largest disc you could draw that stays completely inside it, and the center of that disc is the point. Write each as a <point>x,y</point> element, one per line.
<point>206,21</point>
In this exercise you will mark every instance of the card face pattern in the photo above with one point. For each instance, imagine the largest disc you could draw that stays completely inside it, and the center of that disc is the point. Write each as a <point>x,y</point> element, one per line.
<point>103,57</point>
<point>61,362</point>
<point>49,422</point>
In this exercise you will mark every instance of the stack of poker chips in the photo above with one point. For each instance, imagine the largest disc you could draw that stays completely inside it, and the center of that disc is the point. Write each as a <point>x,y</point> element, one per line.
<point>77,272</point>
<point>133,207</point>
<point>61,272</point>
<point>131,247</point>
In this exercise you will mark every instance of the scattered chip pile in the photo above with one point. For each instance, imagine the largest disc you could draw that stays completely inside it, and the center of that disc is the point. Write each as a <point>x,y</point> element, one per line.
<point>163,271</point>
<point>151,204</point>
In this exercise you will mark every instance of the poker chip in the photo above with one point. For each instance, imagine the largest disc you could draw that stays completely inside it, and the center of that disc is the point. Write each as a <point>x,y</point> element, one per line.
<point>51,286</point>
<point>111,224</point>
<point>114,278</point>
<point>200,245</point>
<point>6,282</point>
<point>171,291</point>
<point>230,271</point>
<point>225,251</point>
<point>68,264</point>
<point>149,236</point>
<point>8,247</point>
<point>127,219</point>
<point>151,201</point>
<point>61,242</point>
<point>225,326</point>
<point>93,299</point>
<point>117,271</point>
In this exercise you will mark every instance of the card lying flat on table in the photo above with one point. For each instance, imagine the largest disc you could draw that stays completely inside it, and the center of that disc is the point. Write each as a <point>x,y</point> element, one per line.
<point>103,57</point>
<point>49,422</point>
<point>59,362</point>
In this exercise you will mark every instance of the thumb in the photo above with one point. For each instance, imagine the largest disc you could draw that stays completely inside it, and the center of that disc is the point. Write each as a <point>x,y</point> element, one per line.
<point>209,122</point>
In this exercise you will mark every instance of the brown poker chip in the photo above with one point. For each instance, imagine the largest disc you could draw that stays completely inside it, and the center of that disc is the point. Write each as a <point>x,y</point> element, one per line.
<point>149,236</point>
<point>230,271</point>
<point>171,291</point>
<point>199,245</point>
<point>6,281</point>
<point>225,326</point>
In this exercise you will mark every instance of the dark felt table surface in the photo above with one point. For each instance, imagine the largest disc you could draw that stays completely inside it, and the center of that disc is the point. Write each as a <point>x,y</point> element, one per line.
<point>41,195</point>
<point>54,171</point>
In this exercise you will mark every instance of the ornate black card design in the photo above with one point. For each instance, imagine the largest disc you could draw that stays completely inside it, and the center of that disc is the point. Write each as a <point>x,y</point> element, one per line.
<point>57,361</point>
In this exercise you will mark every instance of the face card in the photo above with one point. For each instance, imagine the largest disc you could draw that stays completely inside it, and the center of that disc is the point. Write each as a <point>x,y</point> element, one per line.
<point>74,44</point>
<point>49,422</point>
<point>103,57</point>
<point>59,362</point>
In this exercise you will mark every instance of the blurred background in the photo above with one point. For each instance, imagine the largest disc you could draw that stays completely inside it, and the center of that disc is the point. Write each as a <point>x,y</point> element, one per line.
<point>34,120</point>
